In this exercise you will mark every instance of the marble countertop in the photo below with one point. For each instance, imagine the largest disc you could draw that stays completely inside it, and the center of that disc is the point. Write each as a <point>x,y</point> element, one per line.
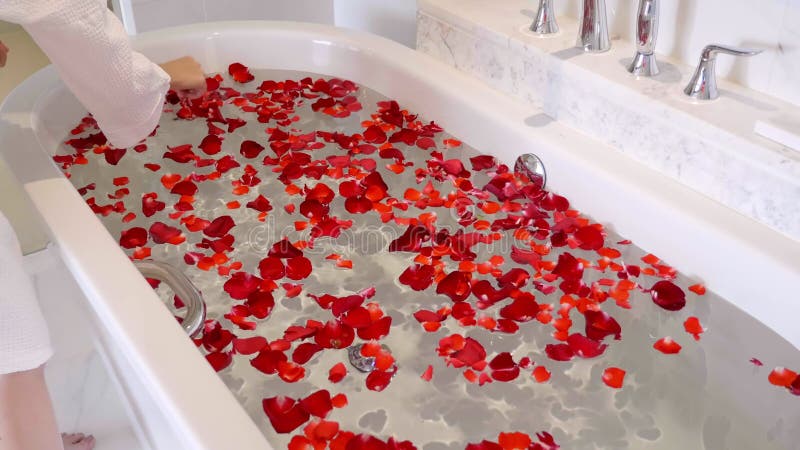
<point>709,146</point>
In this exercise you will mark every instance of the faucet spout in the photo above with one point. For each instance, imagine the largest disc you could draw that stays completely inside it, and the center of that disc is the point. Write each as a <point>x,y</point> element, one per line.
<point>593,31</point>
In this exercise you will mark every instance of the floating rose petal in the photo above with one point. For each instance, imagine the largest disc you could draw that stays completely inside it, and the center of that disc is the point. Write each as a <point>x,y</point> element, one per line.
<point>668,296</point>
<point>248,346</point>
<point>337,373</point>
<point>241,284</point>
<point>218,360</point>
<point>318,404</point>
<point>335,335</point>
<point>783,377</point>
<point>298,268</point>
<point>613,377</point>
<point>692,326</point>
<point>219,227</point>
<point>240,73</point>
<point>133,237</point>
<point>285,414</point>
<point>418,277</point>
<point>378,380</point>
<point>284,249</point>
<point>211,145</point>
<point>250,149</point>
<point>185,187</point>
<point>455,285</point>
<point>503,367</point>
<point>600,324</point>
<point>667,346</point>
<point>162,233</point>
<point>428,374</point>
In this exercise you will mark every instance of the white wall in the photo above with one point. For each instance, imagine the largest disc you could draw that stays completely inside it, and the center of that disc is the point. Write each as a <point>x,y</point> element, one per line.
<point>155,14</point>
<point>394,19</point>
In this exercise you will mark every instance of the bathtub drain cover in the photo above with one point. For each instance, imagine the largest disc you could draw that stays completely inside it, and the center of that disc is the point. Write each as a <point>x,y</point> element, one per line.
<point>362,363</point>
<point>531,166</point>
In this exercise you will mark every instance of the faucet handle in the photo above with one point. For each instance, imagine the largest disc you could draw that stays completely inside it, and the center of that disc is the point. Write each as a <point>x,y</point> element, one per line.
<point>711,51</point>
<point>703,85</point>
<point>545,21</point>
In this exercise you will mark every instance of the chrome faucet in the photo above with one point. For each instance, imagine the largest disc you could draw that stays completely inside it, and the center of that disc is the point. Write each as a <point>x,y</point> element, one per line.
<point>644,61</point>
<point>703,85</point>
<point>593,30</point>
<point>545,22</point>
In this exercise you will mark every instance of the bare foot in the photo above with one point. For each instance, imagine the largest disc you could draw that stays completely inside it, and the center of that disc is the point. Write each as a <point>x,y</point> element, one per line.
<point>77,441</point>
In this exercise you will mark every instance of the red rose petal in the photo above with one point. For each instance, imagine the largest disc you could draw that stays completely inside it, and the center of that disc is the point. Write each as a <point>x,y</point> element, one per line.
<point>667,346</point>
<point>240,73</point>
<point>613,377</point>
<point>378,380</point>
<point>318,404</point>
<point>219,227</point>
<point>133,237</point>
<point>251,149</point>
<point>219,360</point>
<point>162,233</point>
<point>241,284</point>
<point>428,374</point>
<point>298,268</point>
<point>304,352</point>
<point>271,268</point>
<point>692,326</point>
<point>783,377</point>
<point>335,335</point>
<point>337,373</point>
<point>248,346</point>
<point>668,296</point>
<point>284,413</point>
<point>284,249</point>
<point>600,324</point>
<point>211,145</point>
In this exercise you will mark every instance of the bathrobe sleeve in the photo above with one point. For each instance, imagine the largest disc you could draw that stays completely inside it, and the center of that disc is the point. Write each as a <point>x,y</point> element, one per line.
<point>24,341</point>
<point>87,44</point>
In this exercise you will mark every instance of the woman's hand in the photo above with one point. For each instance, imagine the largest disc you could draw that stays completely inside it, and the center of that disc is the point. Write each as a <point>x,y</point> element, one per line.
<point>3,54</point>
<point>186,76</point>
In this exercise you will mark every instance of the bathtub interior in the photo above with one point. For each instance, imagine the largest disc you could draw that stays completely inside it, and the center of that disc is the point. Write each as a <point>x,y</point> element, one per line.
<point>702,393</point>
<point>57,111</point>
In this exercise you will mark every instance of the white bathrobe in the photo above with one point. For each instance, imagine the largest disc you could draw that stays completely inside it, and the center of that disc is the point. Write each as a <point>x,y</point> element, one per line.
<point>125,93</point>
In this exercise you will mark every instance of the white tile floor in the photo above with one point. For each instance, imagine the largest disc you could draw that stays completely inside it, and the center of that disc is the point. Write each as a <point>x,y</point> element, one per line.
<point>85,397</point>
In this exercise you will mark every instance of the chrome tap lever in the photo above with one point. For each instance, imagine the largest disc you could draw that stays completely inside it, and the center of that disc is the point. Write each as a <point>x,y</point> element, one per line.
<point>644,61</point>
<point>593,30</point>
<point>703,85</point>
<point>545,22</point>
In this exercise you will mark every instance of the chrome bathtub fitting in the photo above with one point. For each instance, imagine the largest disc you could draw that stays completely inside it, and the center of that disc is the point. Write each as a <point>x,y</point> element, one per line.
<point>593,30</point>
<point>531,166</point>
<point>183,288</point>
<point>545,22</point>
<point>703,85</point>
<point>363,363</point>
<point>644,61</point>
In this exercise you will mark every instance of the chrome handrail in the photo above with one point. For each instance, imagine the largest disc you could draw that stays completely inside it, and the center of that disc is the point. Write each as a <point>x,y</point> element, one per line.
<point>183,288</point>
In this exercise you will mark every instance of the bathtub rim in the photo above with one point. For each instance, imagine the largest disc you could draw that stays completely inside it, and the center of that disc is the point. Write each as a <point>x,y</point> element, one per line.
<point>48,192</point>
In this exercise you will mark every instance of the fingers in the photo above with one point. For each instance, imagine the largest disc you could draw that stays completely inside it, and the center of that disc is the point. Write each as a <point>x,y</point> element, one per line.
<point>186,76</point>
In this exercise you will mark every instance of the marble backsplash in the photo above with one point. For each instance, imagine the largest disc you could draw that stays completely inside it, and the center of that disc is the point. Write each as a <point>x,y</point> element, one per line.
<point>709,147</point>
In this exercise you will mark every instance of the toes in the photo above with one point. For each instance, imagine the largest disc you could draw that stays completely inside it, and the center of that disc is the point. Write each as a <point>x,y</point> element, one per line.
<point>72,438</point>
<point>87,443</point>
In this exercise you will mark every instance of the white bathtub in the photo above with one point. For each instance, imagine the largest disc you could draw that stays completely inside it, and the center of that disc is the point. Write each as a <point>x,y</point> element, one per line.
<point>179,400</point>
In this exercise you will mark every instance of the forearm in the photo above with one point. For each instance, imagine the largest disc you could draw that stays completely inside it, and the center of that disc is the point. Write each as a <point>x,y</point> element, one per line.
<point>89,48</point>
<point>27,421</point>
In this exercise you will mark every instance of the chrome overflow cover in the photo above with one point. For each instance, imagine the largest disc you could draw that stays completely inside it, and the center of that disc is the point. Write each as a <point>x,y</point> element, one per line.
<point>362,363</point>
<point>531,166</point>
